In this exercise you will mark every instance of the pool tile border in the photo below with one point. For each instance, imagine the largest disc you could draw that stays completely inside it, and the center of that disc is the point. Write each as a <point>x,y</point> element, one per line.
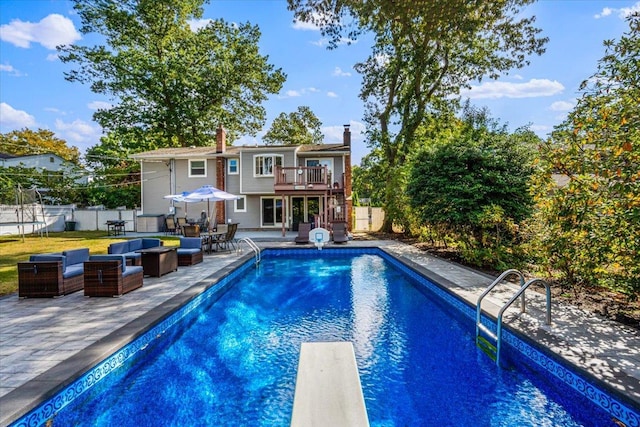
<point>429,280</point>
<point>201,292</point>
<point>592,389</point>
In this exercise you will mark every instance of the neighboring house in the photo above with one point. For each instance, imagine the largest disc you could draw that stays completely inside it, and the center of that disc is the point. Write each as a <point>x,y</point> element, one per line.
<point>279,186</point>
<point>49,162</point>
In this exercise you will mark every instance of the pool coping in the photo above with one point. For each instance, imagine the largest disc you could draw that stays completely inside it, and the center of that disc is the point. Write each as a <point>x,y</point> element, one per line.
<point>535,338</point>
<point>32,394</point>
<point>29,396</point>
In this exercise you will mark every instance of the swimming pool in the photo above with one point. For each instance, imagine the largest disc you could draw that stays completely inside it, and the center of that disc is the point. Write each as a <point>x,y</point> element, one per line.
<point>243,365</point>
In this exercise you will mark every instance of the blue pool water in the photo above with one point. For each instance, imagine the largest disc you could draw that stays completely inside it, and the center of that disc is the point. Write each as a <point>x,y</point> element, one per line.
<point>233,361</point>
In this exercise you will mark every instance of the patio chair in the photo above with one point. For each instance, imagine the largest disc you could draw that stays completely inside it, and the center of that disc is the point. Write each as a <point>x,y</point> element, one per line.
<point>169,225</point>
<point>189,251</point>
<point>110,276</point>
<point>303,232</point>
<point>181,222</point>
<point>53,274</point>
<point>228,241</point>
<point>340,232</point>
<point>191,230</point>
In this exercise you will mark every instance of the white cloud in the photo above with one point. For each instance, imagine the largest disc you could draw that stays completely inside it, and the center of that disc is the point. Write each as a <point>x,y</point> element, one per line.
<point>562,106</point>
<point>532,89</point>
<point>99,105</point>
<point>15,119</point>
<point>321,42</point>
<point>197,24</point>
<point>52,57</point>
<point>623,12</point>
<point>627,11</point>
<point>339,73</point>
<point>55,110</point>
<point>9,69</point>
<point>325,42</point>
<point>291,93</point>
<point>332,94</point>
<point>50,32</point>
<point>605,12</point>
<point>541,130</point>
<point>304,26</point>
<point>77,131</point>
<point>334,134</point>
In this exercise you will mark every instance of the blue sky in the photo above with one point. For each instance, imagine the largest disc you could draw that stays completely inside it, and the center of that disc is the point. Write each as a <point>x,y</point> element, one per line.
<point>34,94</point>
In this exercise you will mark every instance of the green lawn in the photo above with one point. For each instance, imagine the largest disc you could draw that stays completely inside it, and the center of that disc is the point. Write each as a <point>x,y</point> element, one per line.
<point>14,250</point>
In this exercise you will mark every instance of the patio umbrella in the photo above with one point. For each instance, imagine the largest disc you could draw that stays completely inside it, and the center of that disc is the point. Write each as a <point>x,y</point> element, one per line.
<point>178,198</point>
<point>209,193</point>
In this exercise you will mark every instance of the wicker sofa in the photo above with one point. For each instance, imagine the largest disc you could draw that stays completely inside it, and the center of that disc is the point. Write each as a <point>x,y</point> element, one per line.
<point>53,274</point>
<point>110,276</point>
<point>128,248</point>
<point>189,251</point>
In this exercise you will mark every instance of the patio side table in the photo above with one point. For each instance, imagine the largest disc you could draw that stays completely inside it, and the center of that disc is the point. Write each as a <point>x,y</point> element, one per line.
<point>159,260</point>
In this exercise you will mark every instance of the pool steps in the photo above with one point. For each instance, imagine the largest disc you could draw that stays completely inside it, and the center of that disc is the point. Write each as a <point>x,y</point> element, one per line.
<point>485,342</point>
<point>328,390</point>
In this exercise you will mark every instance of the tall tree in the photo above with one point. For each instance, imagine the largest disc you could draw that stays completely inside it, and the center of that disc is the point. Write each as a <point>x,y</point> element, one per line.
<point>474,184</point>
<point>424,52</point>
<point>167,78</point>
<point>591,211</point>
<point>300,127</point>
<point>25,142</point>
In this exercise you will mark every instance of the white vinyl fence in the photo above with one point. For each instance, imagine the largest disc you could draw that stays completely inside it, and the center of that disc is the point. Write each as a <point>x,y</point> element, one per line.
<point>368,218</point>
<point>38,218</point>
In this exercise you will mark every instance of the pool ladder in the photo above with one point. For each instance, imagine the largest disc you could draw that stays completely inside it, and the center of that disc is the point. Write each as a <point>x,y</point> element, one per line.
<point>252,245</point>
<point>484,335</point>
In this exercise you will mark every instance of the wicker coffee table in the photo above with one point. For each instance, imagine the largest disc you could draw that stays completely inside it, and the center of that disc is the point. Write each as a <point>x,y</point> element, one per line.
<point>159,260</point>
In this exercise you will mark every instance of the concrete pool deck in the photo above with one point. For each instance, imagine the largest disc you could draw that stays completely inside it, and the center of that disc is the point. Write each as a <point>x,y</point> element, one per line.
<point>45,342</point>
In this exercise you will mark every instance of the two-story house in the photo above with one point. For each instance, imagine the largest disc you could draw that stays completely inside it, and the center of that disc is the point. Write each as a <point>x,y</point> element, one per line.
<point>279,186</point>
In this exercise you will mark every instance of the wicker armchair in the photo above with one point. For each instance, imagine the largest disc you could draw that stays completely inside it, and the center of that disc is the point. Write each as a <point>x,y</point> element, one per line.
<point>190,251</point>
<point>110,276</point>
<point>52,275</point>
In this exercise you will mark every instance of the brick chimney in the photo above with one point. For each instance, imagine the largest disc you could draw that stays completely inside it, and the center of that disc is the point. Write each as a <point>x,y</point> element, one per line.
<point>221,139</point>
<point>221,180</point>
<point>346,136</point>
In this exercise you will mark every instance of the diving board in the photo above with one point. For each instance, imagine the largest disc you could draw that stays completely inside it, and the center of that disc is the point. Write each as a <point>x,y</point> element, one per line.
<point>328,390</point>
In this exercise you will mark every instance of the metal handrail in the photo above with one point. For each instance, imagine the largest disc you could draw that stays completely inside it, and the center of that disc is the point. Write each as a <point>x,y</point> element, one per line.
<point>253,246</point>
<point>513,298</point>
<point>495,283</point>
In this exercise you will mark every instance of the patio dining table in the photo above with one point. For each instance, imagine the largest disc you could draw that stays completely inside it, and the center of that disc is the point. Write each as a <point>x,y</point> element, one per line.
<point>212,240</point>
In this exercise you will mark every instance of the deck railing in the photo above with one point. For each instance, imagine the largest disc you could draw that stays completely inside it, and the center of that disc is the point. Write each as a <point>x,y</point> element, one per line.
<point>302,176</point>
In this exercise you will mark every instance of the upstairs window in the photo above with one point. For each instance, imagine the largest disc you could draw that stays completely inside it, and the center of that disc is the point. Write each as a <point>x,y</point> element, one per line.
<point>197,168</point>
<point>233,167</point>
<point>265,165</point>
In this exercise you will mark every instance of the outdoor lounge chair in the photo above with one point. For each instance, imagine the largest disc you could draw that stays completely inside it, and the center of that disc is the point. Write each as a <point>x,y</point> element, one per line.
<point>190,251</point>
<point>340,232</point>
<point>303,232</point>
<point>110,276</point>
